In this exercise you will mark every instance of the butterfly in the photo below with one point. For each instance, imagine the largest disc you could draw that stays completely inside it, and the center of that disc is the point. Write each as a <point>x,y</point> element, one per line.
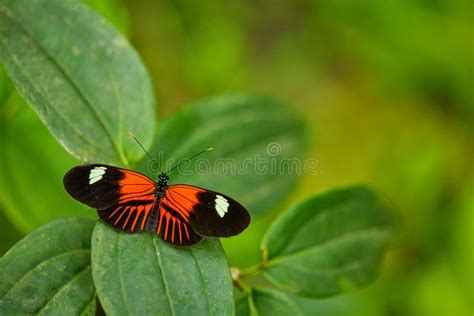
<point>129,201</point>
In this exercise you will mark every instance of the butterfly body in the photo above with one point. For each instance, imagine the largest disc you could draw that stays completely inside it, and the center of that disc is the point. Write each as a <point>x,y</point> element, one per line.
<point>131,202</point>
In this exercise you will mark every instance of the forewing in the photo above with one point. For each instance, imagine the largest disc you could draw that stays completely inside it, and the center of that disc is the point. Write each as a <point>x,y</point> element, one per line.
<point>209,213</point>
<point>123,198</point>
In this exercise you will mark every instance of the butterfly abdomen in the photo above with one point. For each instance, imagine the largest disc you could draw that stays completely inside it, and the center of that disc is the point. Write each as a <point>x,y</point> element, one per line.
<point>153,219</point>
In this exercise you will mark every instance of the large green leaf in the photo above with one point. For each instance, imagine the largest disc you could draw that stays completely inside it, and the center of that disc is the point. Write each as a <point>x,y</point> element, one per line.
<point>265,301</point>
<point>80,75</point>
<point>32,166</point>
<point>254,140</point>
<point>49,271</point>
<point>28,150</point>
<point>328,243</point>
<point>139,274</point>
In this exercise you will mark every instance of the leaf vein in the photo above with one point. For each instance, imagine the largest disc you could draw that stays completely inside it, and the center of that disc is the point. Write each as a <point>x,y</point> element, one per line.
<point>40,264</point>
<point>64,287</point>
<point>331,242</point>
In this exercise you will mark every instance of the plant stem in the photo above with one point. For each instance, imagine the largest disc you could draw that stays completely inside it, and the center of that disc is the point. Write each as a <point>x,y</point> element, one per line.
<point>235,272</point>
<point>252,271</point>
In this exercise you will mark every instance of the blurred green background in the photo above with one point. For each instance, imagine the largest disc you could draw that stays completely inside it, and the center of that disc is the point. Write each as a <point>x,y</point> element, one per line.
<point>388,87</point>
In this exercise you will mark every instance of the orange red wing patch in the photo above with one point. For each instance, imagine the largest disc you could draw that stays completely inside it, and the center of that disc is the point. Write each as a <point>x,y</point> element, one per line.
<point>136,200</point>
<point>175,209</point>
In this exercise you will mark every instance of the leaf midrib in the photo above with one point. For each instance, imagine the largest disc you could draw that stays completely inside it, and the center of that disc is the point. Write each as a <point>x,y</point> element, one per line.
<point>376,230</point>
<point>340,204</point>
<point>338,269</point>
<point>160,265</point>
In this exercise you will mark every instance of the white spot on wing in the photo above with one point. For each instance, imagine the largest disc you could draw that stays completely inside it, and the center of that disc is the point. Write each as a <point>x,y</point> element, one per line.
<point>222,205</point>
<point>94,180</point>
<point>96,174</point>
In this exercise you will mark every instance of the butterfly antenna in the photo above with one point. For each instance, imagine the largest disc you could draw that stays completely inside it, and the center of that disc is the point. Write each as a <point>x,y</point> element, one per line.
<point>139,144</point>
<point>190,158</point>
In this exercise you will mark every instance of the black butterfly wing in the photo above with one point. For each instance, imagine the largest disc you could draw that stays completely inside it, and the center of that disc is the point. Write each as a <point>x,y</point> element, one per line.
<point>208,213</point>
<point>123,198</point>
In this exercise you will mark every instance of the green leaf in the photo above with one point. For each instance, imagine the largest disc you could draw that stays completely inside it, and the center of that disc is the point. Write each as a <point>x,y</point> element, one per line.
<point>265,301</point>
<point>241,303</point>
<point>253,138</point>
<point>83,79</point>
<point>49,271</point>
<point>328,243</point>
<point>32,169</point>
<point>138,274</point>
